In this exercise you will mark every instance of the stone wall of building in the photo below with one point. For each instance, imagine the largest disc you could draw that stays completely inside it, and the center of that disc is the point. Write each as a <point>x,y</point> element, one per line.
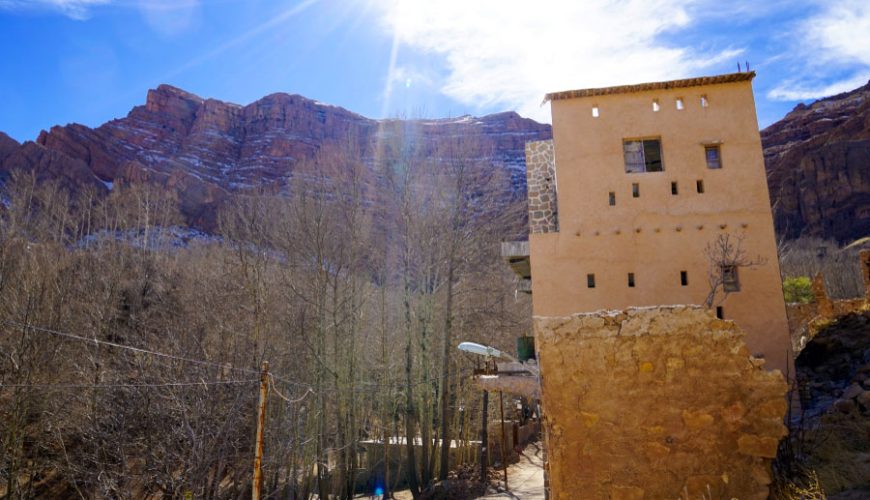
<point>541,178</point>
<point>656,403</point>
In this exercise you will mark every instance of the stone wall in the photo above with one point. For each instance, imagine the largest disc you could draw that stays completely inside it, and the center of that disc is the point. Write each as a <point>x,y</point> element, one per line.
<point>541,178</point>
<point>805,320</point>
<point>656,403</point>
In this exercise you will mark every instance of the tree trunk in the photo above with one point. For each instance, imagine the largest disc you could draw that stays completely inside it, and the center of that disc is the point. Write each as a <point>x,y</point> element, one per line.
<point>444,464</point>
<point>484,438</point>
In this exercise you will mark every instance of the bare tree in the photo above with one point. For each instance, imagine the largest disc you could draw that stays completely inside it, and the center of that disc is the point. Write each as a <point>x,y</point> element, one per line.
<point>725,256</point>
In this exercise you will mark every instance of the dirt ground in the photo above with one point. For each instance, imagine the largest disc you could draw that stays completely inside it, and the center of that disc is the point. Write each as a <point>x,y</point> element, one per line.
<point>525,478</point>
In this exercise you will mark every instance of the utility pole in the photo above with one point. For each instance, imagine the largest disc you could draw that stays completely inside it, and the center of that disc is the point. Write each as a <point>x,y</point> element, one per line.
<point>261,424</point>
<point>504,451</point>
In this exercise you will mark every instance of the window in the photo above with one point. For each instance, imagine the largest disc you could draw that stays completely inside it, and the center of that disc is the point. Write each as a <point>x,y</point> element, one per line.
<point>720,313</point>
<point>656,106</point>
<point>704,101</point>
<point>642,156</point>
<point>631,280</point>
<point>595,111</point>
<point>674,189</point>
<point>590,281</point>
<point>684,278</point>
<point>635,190</point>
<point>612,198</point>
<point>699,184</point>
<point>713,155</point>
<point>730,280</point>
<point>680,105</point>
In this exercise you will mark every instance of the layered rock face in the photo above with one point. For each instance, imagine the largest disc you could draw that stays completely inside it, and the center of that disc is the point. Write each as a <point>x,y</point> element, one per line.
<point>818,165</point>
<point>817,157</point>
<point>656,403</point>
<point>207,150</point>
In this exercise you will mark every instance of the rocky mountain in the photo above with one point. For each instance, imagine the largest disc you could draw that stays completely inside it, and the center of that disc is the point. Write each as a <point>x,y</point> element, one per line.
<point>818,166</point>
<point>207,150</point>
<point>817,157</point>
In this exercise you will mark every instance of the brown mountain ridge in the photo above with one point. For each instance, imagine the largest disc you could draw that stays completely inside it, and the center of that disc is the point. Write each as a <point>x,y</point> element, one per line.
<point>208,150</point>
<point>817,157</point>
<point>818,166</point>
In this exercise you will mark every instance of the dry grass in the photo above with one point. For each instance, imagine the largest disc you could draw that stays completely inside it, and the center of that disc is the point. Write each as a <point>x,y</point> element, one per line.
<point>840,452</point>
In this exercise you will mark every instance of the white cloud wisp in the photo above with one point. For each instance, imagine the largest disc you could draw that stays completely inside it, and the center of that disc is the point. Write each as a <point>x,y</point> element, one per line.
<point>510,53</point>
<point>837,39</point>
<point>74,9</point>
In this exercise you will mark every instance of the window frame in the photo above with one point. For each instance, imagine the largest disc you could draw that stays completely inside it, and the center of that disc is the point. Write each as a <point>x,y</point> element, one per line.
<point>713,147</point>
<point>643,152</point>
<point>730,278</point>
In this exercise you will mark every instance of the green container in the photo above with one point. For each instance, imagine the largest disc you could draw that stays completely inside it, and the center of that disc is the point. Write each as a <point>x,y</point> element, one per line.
<point>525,348</point>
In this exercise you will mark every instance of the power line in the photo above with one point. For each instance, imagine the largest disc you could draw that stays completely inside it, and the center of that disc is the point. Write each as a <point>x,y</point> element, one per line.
<point>222,366</point>
<point>373,386</point>
<point>112,386</point>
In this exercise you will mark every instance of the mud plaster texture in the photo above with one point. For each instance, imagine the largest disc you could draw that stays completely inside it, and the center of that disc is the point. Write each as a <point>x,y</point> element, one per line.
<point>656,403</point>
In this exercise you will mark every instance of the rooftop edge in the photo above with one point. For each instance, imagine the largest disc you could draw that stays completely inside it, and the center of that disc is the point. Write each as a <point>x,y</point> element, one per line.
<point>642,87</point>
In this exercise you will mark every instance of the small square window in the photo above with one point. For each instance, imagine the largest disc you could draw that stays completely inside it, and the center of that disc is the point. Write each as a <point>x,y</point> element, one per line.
<point>699,184</point>
<point>642,156</point>
<point>635,190</point>
<point>612,198</point>
<point>713,155</point>
<point>656,106</point>
<point>674,189</point>
<point>590,281</point>
<point>720,313</point>
<point>631,280</point>
<point>730,280</point>
<point>704,101</point>
<point>680,105</point>
<point>595,111</point>
<point>684,278</point>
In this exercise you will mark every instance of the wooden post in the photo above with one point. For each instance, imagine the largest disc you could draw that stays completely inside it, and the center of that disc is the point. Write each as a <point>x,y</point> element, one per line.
<point>504,452</point>
<point>261,424</point>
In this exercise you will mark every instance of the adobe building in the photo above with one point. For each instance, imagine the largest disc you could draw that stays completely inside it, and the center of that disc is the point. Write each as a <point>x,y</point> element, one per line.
<point>635,184</point>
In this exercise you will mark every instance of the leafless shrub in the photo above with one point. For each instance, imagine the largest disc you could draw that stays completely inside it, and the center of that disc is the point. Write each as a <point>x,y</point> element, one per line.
<point>841,268</point>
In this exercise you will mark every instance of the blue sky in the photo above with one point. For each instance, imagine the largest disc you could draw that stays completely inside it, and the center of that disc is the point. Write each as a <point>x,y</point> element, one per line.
<point>89,61</point>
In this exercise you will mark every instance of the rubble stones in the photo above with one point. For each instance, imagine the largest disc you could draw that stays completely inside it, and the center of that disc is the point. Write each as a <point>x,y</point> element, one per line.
<point>656,403</point>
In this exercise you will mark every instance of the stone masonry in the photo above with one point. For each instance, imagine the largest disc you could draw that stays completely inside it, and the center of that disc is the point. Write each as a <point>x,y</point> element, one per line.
<point>541,179</point>
<point>653,403</point>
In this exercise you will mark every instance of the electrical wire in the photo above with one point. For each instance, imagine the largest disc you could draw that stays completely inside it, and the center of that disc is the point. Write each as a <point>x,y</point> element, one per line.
<point>285,398</point>
<point>112,386</point>
<point>373,387</point>
<point>222,366</point>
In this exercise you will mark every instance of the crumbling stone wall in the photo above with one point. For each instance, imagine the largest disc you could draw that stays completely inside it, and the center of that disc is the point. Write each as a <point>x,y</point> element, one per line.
<point>805,320</point>
<point>656,403</point>
<point>541,181</point>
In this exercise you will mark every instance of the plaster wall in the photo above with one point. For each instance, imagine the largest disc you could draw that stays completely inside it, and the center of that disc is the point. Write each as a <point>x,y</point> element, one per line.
<point>657,235</point>
<point>656,403</point>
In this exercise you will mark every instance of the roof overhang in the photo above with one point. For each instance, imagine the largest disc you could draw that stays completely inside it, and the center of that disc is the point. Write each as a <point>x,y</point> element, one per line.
<point>742,76</point>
